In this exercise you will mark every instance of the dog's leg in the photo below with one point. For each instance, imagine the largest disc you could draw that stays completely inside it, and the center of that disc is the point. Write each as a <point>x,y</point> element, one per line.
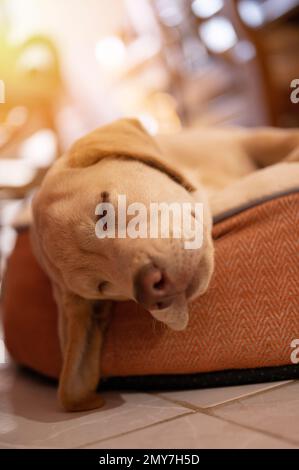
<point>82,339</point>
<point>255,186</point>
<point>267,146</point>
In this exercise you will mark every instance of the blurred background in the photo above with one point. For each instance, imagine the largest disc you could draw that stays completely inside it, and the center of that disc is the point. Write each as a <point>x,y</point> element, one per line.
<point>71,65</point>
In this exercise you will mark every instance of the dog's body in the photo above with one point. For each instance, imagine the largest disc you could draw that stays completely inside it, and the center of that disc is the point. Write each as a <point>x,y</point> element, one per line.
<point>219,158</point>
<point>218,167</point>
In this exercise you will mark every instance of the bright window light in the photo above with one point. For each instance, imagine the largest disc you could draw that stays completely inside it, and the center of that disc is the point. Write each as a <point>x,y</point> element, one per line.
<point>171,16</point>
<point>39,150</point>
<point>15,173</point>
<point>171,12</point>
<point>244,51</point>
<point>218,34</point>
<point>111,52</point>
<point>206,8</point>
<point>251,13</point>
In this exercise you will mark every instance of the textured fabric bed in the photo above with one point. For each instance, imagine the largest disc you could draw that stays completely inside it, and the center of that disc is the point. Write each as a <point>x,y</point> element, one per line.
<point>239,332</point>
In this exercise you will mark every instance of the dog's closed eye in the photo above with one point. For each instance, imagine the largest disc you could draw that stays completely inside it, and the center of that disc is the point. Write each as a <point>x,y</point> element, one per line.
<point>105,196</point>
<point>104,199</point>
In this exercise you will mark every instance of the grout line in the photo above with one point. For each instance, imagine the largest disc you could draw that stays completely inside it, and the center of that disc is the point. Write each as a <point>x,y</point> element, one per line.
<point>260,432</point>
<point>258,392</point>
<point>208,411</point>
<point>182,403</point>
<point>228,401</point>
<point>284,439</point>
<point>141,428</point>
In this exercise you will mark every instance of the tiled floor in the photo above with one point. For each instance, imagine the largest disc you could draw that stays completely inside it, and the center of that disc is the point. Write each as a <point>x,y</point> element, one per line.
<point>253,416</point>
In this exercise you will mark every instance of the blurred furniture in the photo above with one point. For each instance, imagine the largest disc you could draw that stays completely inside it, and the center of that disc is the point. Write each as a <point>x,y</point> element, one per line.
<point>273,29</point>
<point>222,61</point>
<point>263,53</point>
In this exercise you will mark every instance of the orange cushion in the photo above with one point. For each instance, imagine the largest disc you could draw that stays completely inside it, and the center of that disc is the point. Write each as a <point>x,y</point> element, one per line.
<point>247,319</point>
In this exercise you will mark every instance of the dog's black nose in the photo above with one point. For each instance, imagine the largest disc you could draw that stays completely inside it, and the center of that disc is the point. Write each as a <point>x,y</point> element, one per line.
<point>153,290</point>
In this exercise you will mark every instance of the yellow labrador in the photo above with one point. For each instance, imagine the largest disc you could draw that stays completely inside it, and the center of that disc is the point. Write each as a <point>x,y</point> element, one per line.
<point>217,167</point>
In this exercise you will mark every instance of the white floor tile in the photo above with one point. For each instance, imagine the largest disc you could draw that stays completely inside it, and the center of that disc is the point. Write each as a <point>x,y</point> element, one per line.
<point>275,411</point>
<point>206,398</point>
<point>191,432</point>
<point>30,416</point>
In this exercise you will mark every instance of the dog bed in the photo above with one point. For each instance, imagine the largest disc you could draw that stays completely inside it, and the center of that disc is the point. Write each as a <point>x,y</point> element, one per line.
<point>240,331</point>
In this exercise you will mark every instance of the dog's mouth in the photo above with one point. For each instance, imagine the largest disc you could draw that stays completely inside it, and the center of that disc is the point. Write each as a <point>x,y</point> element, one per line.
<point>167,302</point>
<point>175,315</point>
<point>160,294</point>
<point>180,325</point>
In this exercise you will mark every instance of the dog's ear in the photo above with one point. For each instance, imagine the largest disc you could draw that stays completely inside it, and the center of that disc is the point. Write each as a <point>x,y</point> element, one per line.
<point>81,326</point>
<point>125,138</point>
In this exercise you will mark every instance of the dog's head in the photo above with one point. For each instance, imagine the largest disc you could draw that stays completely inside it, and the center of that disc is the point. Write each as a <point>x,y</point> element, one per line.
<point>100,228</point>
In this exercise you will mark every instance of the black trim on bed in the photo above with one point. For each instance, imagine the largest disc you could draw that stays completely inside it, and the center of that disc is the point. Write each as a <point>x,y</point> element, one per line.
<point>202,380</point>
<point>255,202</point>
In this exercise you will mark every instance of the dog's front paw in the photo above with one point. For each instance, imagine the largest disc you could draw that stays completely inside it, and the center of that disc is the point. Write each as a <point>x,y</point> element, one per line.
<point>90,402</point>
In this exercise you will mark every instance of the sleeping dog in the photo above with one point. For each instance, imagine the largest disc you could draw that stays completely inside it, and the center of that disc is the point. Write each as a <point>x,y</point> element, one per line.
<point>220,168</point>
